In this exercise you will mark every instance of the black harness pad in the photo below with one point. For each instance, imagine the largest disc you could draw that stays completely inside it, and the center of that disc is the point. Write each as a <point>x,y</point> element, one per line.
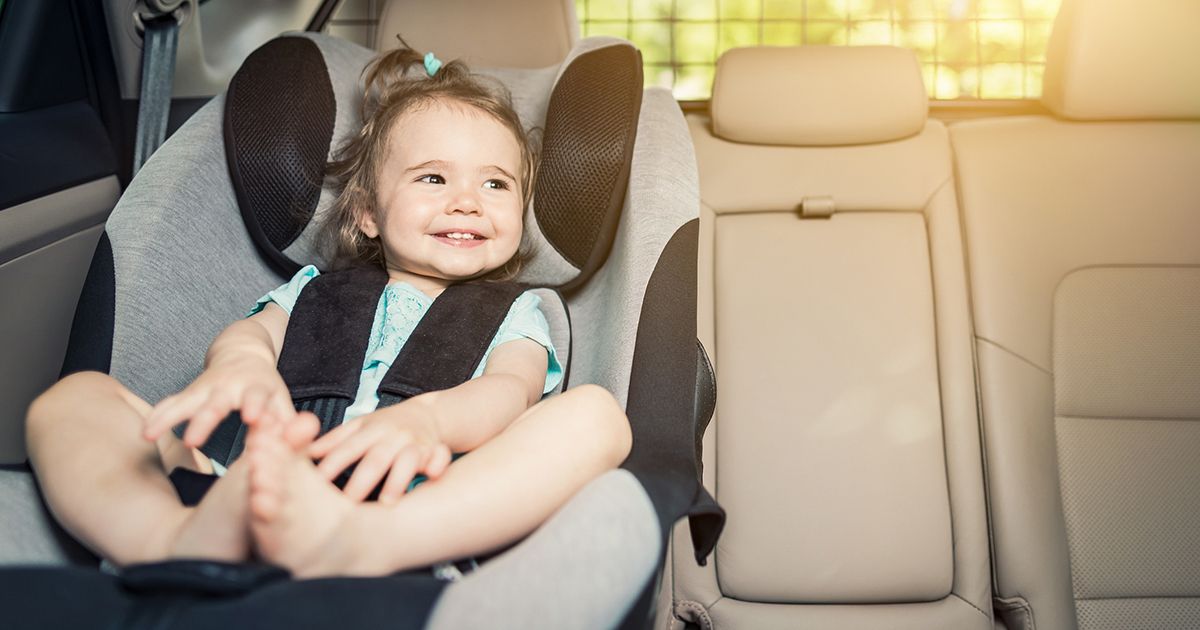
<point>327,333</point>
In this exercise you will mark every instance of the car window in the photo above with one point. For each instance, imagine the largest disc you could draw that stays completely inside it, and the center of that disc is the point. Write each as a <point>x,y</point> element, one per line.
<point>969,49</point>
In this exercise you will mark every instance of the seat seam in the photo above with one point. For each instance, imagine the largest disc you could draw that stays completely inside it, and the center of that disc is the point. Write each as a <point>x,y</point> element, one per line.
<point>1015,355</point>
<point>962,599</point>
<point>937,189</point>
<point>1134,418</point>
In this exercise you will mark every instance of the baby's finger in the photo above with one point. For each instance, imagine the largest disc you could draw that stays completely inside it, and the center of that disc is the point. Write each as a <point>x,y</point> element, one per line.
<point>204,421</point>
<point>254,403</point>
<point>326,443</point>
<point>438,462</point>
<point>370,470</point>
<point>404,469</point>
<point>173,410</point>
<point>349,451</point>
<point>281,405</point>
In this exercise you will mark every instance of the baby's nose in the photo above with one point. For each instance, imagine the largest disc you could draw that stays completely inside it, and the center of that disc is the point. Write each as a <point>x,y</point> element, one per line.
<point>466,202</point>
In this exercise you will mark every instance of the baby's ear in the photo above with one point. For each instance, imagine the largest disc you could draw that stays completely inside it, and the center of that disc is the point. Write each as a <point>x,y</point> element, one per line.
<point>366,223</point>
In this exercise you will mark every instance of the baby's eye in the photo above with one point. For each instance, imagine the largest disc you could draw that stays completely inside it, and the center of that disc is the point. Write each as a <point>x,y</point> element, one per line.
<point>496,184</point>
<point>432,178</point>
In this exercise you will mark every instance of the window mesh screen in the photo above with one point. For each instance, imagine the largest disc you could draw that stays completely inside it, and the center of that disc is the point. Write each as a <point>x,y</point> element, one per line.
<point>969,49</point>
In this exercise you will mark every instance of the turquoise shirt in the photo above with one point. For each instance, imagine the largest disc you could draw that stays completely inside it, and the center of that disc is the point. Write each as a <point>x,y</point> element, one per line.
<point>400,308</point>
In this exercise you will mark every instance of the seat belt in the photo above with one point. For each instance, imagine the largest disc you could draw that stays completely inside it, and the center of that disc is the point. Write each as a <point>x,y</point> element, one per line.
<point>160,40</point>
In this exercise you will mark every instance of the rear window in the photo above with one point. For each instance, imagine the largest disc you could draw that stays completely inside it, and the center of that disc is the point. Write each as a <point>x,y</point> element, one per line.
<point>969,50</point>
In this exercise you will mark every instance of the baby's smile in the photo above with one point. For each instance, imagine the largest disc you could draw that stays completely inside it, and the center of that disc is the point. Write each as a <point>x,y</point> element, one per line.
<point>460,238</point>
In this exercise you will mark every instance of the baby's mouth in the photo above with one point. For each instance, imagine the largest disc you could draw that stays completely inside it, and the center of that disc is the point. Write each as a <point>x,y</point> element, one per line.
<point>457,238</point>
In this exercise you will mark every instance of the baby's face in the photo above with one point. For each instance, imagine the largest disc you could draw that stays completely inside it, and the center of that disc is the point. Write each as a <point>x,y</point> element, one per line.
<point>448,197</point>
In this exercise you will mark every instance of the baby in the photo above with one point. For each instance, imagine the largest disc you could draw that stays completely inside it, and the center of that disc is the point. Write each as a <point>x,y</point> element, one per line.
<point>433,191</point>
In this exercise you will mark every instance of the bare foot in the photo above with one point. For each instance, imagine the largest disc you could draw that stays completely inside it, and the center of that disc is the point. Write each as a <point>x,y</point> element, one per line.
<point>216,529</point>
<point>298,519</point>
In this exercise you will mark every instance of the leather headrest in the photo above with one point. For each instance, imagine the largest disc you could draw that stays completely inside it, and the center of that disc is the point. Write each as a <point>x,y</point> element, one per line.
<point>497,33</point>
<point>818,95</point>
<point>1124,60</point>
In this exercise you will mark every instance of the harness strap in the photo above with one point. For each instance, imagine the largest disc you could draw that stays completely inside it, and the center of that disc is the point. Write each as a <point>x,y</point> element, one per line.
<point>327,333</point>
<point>450,340</point>
<point>322,354</point>
<point>326,345</point>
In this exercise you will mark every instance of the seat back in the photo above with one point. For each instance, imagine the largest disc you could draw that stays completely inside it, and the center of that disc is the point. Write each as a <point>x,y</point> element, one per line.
<point>833,303</point>
<point>1083,236</point>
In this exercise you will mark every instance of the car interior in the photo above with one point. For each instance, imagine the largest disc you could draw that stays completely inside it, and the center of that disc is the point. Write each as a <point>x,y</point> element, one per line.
<point>948,360</point>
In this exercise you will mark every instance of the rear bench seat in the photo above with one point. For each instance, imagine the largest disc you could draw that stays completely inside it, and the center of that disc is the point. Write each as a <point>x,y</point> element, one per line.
<point>1083,234</point>
<point>833,302</point>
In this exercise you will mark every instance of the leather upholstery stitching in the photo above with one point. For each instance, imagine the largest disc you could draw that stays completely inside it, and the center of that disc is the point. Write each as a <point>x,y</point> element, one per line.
<point>1015,355</point>
<point>938,189</point>
<point>964,600</point>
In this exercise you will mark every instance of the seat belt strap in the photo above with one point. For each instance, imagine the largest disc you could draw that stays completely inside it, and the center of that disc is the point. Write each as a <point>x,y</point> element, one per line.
<point>159,43</point>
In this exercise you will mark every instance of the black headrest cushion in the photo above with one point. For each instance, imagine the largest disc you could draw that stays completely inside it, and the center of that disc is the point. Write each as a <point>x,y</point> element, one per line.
<point>591,125</point>
<point>279,115</point>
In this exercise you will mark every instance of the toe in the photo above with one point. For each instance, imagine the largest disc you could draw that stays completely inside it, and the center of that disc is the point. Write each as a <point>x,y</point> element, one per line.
<point>302,430</point>
<point>264,506</point>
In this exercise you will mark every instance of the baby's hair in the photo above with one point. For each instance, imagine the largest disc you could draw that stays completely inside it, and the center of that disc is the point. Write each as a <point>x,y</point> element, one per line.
<point>397,83</point>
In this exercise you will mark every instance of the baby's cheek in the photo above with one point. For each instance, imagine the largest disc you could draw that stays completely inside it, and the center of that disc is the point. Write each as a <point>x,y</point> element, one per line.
<point>511,247</point>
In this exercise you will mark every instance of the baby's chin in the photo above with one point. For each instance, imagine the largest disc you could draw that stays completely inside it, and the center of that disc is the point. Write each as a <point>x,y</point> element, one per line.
<point>454,275</point>
<point>468,271</point>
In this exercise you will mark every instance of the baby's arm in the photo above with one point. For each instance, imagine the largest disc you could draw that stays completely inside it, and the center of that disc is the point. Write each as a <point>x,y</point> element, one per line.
<point>419,434</point>
<point>476,411</point>
<point>239,374</point>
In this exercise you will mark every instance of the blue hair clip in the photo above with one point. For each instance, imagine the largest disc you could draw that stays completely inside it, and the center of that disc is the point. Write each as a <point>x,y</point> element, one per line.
<point>432,64</point>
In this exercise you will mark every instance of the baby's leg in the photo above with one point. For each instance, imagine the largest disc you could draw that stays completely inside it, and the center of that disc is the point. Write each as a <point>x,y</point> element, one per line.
<point>108,486</point>
<point>489,498</point>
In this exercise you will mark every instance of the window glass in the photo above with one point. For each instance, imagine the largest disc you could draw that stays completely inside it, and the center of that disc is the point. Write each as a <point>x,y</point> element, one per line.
<point>968,49</point>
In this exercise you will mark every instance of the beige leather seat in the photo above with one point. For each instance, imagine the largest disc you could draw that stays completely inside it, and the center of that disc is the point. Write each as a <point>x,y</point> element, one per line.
<point>496,33</point>
<point>1083,234</point>
<point>845,446</point>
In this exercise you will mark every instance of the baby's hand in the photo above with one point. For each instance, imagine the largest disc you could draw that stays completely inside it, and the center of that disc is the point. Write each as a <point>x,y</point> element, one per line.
<point>240,383</point>
<point>386,442</point>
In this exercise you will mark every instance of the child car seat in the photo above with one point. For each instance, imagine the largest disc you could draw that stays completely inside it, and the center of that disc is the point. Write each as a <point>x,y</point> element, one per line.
<point>212,219</point>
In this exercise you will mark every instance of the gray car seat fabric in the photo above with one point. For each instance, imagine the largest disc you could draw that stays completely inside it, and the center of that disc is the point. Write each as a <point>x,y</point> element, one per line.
<point>185,263</point>
<point>30,535</point>
<point>594,555</point>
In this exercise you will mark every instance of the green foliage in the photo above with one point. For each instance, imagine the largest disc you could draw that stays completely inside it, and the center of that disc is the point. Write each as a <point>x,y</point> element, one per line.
<point>967,48</point>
